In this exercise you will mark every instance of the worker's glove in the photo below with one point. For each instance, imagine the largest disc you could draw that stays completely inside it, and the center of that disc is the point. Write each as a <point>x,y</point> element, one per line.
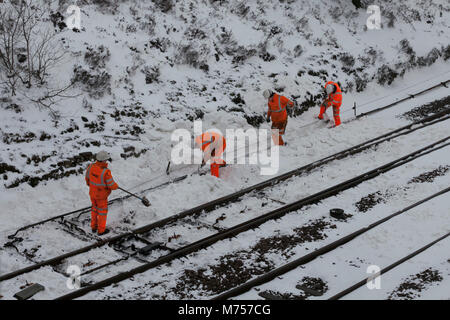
<point>289,111</point>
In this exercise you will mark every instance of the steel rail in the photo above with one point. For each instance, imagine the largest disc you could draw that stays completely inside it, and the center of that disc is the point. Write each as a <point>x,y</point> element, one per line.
<point>388,268</point>
<point>411,96</point>
<point>269,276</point>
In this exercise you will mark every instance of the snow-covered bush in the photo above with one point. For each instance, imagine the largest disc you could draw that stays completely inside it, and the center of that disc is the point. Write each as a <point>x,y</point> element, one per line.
<point>386,75</point>
<point>95,84</point>
<point>429,59</point>
<point>361,81</point>
<point>151,74</point>
<point>194,54</point>
<point>163,5</point>
<point>107,6</point>
<point>241,54</point>
<point>97,58</point>
<point>446,52</point>
<point>347,60</point>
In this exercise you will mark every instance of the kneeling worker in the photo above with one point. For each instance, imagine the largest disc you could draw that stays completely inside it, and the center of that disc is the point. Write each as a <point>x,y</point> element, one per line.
<point>213,145</point>
<point>277,111</point>
<point>334,98</point>
<point>101,183</point>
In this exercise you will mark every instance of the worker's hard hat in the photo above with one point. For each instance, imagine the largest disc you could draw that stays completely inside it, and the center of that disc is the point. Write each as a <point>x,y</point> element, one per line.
<point>103,156</point>
<point>267,93</point>
<point>330,88</point>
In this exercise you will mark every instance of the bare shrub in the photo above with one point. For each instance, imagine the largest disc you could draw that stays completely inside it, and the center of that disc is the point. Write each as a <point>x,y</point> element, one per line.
<point>28,49</point>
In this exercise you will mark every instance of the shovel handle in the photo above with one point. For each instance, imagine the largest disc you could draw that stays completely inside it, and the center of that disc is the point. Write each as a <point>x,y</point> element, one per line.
<point>130,193</point>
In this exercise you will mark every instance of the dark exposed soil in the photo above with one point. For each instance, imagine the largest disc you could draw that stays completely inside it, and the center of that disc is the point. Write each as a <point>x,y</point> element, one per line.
<point>276,295</point>
<point>414,285</point>
<point>4,167</point>
<point>368,202</point>
<point>431,175</point>
<point>9,138</point>
<point>229,272</point>
<point>427,110</point>
<point>76,164</point>
<point>312,286</point>
<point>234,269</point>
<point>130,151</point>
<point>281,244</point>
<point>308,285</point>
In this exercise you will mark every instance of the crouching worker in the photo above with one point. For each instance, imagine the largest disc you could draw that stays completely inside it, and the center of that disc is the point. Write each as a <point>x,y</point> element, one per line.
<point>334,98</point>
<point>101,183</point>
<point>213,145</point>
<point>277,111</point>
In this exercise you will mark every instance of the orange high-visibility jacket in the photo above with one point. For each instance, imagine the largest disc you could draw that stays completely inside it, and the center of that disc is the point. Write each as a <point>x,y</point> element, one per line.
<point>277,107</point>
<point>205,139</point>
<point>334,99</point>
<point>100,181</point>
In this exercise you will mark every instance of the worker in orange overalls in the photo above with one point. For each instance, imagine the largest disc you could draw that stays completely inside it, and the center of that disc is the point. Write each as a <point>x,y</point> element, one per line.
<point>101,183</point>
<point>213,145</point>
<point>334,99</point>
<point>277,111</point>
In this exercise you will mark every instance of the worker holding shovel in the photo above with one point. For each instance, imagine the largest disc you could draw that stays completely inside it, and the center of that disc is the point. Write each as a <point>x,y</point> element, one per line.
<point>101,183</point>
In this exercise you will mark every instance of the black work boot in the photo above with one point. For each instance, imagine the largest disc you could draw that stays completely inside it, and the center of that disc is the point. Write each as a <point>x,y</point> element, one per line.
<point>105,232</point>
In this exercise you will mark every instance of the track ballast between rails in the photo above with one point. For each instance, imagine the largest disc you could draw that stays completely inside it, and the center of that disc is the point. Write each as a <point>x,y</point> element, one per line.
<point>265,278</point>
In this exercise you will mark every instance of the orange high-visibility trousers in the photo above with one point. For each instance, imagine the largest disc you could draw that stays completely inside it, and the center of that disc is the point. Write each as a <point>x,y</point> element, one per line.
<point>276,136</point>
<point>99,213</point>
<point>215,165</point>
<point>336,116</point>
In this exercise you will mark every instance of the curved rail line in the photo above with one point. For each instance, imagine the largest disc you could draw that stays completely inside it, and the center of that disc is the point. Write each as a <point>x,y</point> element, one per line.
<point>253,223</point>
<point>410,96</point>
<point>269,276</point>
<point>233,197</point>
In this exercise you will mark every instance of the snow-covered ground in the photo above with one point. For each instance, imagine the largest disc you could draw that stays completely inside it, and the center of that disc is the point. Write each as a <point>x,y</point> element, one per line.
<point>210,61</point>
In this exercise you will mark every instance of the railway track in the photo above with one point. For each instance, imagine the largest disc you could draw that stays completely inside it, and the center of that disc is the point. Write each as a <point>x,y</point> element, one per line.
<point>253,223</point>
<point>135,234</point>
<point>282,270</point>
<point>139,234</point>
